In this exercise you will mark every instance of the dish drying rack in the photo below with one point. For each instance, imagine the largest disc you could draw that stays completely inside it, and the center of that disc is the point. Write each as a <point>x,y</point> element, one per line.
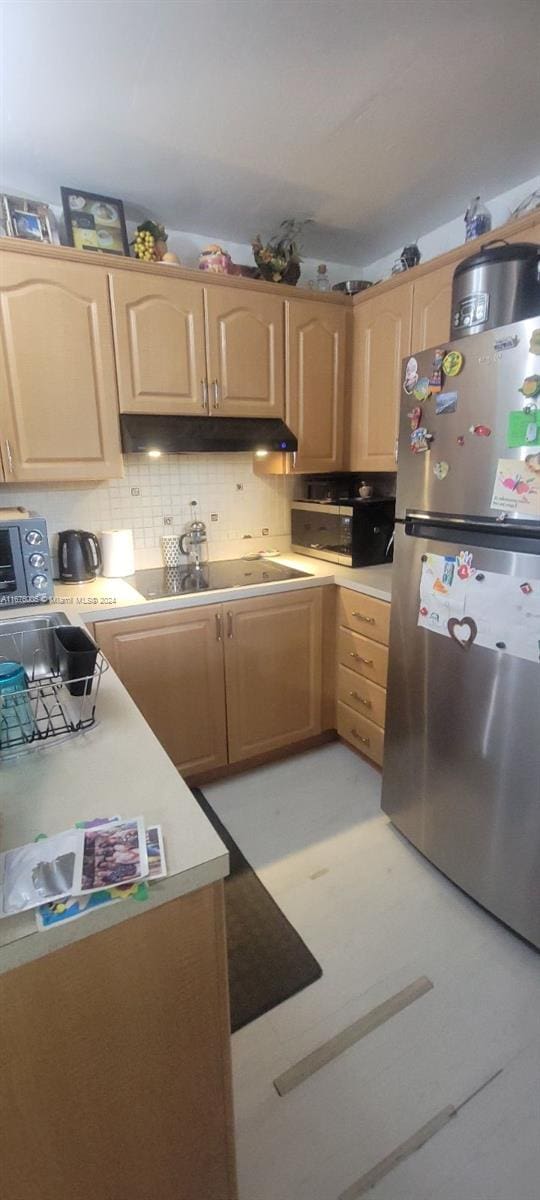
<point>51,706</point>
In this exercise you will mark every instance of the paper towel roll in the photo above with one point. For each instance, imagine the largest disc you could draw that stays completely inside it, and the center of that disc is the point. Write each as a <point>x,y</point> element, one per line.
<point>117,552</point>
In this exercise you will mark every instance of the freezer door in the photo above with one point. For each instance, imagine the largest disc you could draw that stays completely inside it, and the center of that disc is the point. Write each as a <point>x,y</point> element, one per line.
<point>495,365</point>
<point>461,773</point>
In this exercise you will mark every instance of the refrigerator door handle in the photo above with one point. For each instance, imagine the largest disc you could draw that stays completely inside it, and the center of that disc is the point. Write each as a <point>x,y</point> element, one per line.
<point>418,523</point>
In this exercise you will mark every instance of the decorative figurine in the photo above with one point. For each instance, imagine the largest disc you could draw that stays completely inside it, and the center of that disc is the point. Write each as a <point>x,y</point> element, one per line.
<point>150,242</point>
<point>214,258</point>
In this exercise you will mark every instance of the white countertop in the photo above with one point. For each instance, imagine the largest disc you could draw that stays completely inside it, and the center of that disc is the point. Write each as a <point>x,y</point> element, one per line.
<point>105,599</point>
<point>120,767</point>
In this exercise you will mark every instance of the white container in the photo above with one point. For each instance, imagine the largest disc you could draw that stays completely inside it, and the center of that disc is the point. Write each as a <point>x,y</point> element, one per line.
<point>170,550</point>
<point>117,552</point>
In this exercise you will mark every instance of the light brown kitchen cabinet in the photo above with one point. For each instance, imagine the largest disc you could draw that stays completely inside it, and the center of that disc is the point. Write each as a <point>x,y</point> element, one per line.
<point>160,344</point>
<point>273,671</point>
<point>315,383</point>
<point>432,306</point>
<point>58,398</point>
<point>363,627</point>
<point>381,338</point>
<point>172,665</point>
<point>245,346</point>
<point>132,1033</point>
<point>245,675</point>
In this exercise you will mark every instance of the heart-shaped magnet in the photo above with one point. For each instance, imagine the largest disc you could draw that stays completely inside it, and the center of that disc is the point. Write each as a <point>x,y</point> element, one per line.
<point>463,632</point>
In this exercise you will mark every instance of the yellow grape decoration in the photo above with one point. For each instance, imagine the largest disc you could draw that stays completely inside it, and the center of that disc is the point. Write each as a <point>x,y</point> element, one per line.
<point>150,242</point>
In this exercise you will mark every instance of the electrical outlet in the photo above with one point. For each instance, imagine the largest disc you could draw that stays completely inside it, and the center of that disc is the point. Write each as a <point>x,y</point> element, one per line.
<point>239,487</point>
<point>135,491</point>
<point>265,532</point>
<point>214,516</point>
<point>167,520</point>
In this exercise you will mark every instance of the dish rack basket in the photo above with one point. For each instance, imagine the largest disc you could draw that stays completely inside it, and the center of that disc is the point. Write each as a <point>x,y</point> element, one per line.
<point>52,704</point>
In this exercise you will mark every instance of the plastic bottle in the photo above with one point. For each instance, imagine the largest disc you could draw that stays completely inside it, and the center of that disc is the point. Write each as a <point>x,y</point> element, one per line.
<point>477,219</point>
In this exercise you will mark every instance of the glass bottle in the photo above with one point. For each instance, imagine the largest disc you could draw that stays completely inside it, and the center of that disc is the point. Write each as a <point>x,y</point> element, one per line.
<point>322,282</point>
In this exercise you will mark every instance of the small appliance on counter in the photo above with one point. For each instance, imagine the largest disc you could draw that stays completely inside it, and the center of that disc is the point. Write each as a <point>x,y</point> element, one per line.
<point>25,561</point>
<point>79,556</point>
<point>354,533</point>
<point>194,543</point>
<point>497,286</point>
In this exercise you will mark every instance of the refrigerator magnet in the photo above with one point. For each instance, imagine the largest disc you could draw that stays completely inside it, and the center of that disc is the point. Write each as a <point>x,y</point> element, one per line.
<point>516,488</point>
<point>422,389</point>
<point>441,469</point>
<point>463,632</point>
<point>411,376</point>
<point>452,362</point>
<point>435,379</point>
<point>415,416</point>
<point>480,430</point>
<point>530,387</point>
<point>460,440</point>
<point>446,402</point>
<point>420,439</point>
<point>523,429</point>
<point>534,344</point>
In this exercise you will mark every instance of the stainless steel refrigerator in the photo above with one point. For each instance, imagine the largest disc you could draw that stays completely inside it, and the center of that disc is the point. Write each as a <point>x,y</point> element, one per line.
<point>461,772</point>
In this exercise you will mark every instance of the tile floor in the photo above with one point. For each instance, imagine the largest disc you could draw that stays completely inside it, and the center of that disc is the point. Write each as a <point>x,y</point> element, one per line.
<point>377,916</point>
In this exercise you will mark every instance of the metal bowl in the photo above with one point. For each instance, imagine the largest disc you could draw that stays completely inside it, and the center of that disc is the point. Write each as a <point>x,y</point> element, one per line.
<point>352,286</point>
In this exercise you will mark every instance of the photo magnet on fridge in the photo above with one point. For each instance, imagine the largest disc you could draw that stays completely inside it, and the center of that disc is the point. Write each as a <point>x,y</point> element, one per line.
<point>523,429</point>
<point>446,402</point>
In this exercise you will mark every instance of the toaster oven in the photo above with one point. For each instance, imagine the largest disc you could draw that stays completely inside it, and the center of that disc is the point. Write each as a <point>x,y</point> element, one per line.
<point>25,561</point>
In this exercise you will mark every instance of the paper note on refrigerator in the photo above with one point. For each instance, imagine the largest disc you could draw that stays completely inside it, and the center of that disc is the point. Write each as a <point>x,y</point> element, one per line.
<point>480,608</point>
<point>516,488</point>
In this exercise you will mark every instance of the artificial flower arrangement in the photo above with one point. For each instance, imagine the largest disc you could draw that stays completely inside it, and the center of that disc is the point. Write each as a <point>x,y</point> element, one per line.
<point>279,261</point>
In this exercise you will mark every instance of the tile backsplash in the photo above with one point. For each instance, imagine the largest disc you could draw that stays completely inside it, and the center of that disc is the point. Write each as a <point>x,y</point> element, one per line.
<point>154,498</point>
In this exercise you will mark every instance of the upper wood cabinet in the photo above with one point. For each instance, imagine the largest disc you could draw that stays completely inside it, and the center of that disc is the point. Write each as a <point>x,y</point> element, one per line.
<point>245,345</point>
<point>315,383</point>
<point>432,305</point>
<point>273,667</point>
<point>160,344</point>
<point>172,666</point>
<point>58,398</point>
<point>382,337</point>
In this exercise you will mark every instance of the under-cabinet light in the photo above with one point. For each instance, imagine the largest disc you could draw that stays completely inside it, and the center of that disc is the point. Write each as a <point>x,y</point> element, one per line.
<point>154,453</point>
<point>261,453</point>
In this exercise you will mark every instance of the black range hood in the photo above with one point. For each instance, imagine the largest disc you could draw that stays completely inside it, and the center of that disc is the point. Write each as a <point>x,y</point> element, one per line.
<point>148,434</point>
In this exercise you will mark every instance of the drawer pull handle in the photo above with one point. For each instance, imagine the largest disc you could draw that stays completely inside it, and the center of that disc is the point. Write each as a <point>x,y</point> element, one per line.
<point>365,740</point>
<point>362,617</point>
<point>368,662</point>
<point>361,699</point>
<point>218,627</point>
<point>230,631</point>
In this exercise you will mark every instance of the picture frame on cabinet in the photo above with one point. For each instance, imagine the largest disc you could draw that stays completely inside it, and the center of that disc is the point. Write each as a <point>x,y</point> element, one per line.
<point>32,220</point>
<point>94,222</point>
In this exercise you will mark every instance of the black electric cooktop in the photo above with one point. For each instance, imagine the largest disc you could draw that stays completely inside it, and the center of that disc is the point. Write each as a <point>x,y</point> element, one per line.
<point>157,583</point>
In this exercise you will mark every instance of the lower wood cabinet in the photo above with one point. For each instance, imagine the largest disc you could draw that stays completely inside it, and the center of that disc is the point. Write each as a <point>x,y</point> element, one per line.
<point>129,1029</point>
<point>362,668</point>
<point>223,683</point>
<point>172,665</point>
<point>273,664</point>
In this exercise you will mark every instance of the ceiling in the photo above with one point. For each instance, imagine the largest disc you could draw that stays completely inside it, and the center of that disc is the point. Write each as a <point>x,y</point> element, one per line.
<point>378,118</point>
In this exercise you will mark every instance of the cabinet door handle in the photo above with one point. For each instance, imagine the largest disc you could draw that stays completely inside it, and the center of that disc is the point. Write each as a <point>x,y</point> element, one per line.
<point>368,662</point>
<point>9,456</point>
<point>215,389</point>
<point>204,395</point>
<point>229,624</point>
<point>365,740</point>
<point>218,627</point>
<point>361,699</point>
<point>362,617</point>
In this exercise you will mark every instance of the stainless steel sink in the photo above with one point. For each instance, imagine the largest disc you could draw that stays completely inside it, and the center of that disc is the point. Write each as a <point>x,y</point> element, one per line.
<point>31,641</point>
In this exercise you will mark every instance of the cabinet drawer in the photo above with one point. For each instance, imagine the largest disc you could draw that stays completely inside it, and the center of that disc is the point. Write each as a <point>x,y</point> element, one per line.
<point>367,698</point>
<point>364,614</point>
<point>362,734</point>
<point>362,655</point>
